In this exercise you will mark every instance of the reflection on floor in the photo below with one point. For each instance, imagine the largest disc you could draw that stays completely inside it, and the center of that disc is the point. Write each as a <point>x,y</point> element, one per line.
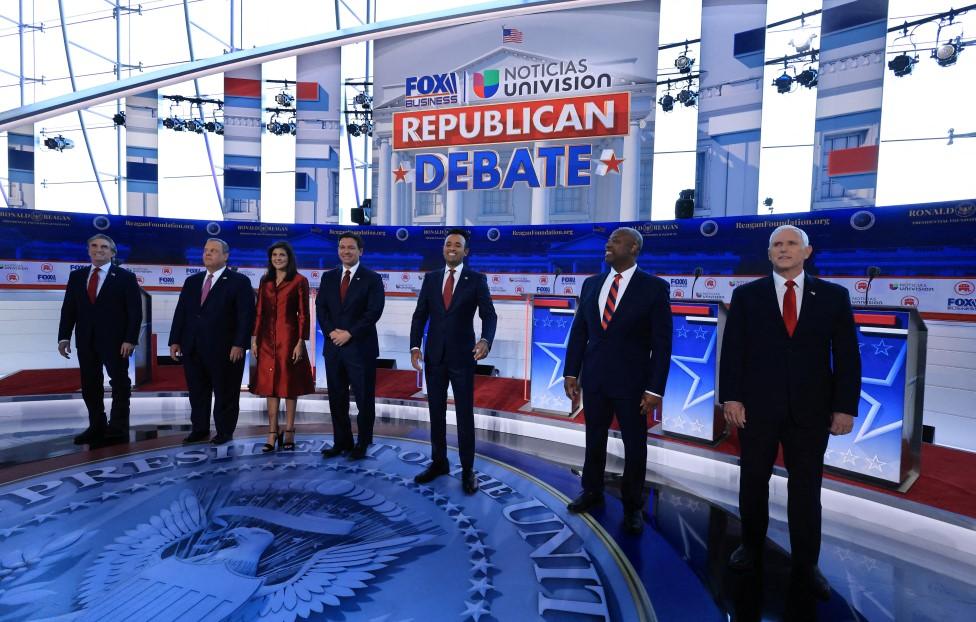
<point>227,533</point>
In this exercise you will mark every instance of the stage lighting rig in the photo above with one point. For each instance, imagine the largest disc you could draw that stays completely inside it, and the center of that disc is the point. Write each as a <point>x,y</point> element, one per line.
<point>902,64</point>
<point>667,102</point>
<point>684,62</point>
<point>214,127</point>
<point>784,83</point>
<point>284,99</point>
<point>353,130</point>
<point>58,143</point>
<point>808,77</point>
<point>119,118</point>
<point>194,125</point>
<point>687,97</point>
<point>174,123</point>
<point>363,100</point>
<point>947,53</point>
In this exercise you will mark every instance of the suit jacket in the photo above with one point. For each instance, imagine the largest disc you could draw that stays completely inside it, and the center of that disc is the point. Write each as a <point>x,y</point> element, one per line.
<point>634,354</point>
<point>113,319</point>
<point>225,320</point>
<point>808,376</point>
<point>358,314</point>
<point>450,336</point>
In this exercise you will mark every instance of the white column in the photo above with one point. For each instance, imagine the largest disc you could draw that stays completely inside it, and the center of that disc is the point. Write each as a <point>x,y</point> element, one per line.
<point>540,195</point>
<point>385,180</point>
<point>394,190</point>
<point>630,174</point>
<point>453,207</point>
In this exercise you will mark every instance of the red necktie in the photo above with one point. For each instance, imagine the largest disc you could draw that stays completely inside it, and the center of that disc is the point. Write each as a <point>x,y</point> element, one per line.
<point>611,305</point>
<point>206,289</point>
<point>344,287</point>
<point>93,285</point>
<point>789,307</point>
<point>449,289</point>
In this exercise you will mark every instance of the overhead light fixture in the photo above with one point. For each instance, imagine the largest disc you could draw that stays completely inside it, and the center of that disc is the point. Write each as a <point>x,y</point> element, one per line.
<point>58,143</point>
<point>667,102</point>
<point>194,125</point>
<point>174,123</point>
<point>353,130</point>
<point>784,83</point>
<point>215,127</point>
<point>902,64</point>
<point>365,100</point>
<point>119,118</point>
<point>284,99</point>
<point>687,97</point>
<point>366,128</point>
<point>808,77</point>
<point>684,207</point>
<point>947,53</point>
<point>684,62</point>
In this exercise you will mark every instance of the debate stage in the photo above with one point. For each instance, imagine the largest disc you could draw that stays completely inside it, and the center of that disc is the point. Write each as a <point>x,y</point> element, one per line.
<point>158,530</point>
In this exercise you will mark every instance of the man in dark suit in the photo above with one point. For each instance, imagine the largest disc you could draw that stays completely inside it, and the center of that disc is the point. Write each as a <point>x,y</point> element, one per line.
<point>349,302</point>
<point>211,330</point>
<point>448,299</point>
<point>621,343</point>
<point>102,306</point>
<point>791,375</point>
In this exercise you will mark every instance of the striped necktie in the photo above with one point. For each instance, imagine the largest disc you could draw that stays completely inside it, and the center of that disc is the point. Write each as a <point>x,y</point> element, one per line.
<point>611,305</point>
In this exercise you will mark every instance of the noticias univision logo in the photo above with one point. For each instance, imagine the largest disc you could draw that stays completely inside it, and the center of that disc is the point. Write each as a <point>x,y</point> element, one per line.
<point>485,83</point>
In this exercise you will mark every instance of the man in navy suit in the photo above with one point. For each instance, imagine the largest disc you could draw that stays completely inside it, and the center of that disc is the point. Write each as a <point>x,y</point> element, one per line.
<point>211,331</point>
<point>101,305</point>
<point>349,302</point>
<point>621,343</point>
<point>448,299</point>
<point>790,374</point>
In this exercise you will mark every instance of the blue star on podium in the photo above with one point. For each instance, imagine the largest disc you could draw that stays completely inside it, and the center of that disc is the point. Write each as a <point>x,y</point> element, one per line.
<point>557,368</point>
<point>683,363</point>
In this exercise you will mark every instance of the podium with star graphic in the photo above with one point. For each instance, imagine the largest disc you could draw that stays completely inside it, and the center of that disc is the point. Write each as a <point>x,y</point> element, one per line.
<point>552,318</point>
<point>689,409</point>
<point>885,443</point>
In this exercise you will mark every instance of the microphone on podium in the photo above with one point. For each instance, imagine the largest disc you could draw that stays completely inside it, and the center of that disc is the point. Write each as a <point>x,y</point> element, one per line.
<point>872,272</point>
<point>698,272</point>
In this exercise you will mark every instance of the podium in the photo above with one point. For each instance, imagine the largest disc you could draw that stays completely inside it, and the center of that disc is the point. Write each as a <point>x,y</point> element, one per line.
<point>548,333</point>
<point>885,443</point>
<point>689,409</point>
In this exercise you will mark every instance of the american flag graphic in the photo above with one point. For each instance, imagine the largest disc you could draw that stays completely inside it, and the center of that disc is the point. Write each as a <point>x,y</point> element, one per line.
<point>511,35</point>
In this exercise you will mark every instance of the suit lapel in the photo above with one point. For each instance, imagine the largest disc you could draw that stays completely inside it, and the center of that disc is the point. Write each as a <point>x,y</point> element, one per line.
<point>438,288</point>
<point>808,305</point>
<point>771,304</point>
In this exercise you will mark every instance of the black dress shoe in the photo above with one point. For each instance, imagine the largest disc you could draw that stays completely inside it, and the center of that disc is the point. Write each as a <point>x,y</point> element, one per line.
<point>115,438</point>
<point>335,450</point>
<point>469,483</point>
<point>221,439</point>
<point>88,436</point>
<point>358,452</point>
<point>196,437</point>
<point>633,522</point>
<point>585,502</point>
<point>430,474</point>
<point>744,558</point>
<point>811,579</point>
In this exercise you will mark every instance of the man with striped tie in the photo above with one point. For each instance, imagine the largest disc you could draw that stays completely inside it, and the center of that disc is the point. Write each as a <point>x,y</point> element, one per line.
<point>621,344</point>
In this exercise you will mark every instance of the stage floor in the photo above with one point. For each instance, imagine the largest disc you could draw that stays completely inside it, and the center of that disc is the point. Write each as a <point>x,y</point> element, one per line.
<point>158,530</point>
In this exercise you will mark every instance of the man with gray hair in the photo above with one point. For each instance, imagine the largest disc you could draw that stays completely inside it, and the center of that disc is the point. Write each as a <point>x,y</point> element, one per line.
<point>102,307</point>
<point>790,374</point>
<point>211,330</point>
<point>620,342</point>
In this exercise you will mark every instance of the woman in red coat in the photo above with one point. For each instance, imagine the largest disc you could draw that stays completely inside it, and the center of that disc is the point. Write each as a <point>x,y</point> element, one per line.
<point>278,342</point>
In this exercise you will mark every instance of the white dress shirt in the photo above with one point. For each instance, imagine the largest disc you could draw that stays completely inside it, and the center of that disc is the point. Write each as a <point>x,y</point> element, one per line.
<point>352,272</point>
<point>457,276</point>
<point>102,274</point>
<point>213,281</point>
<point>626,275</point>
<point>780,283</point>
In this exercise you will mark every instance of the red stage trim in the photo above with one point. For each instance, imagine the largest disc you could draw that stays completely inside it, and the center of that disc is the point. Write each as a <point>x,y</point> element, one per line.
<point>552,303</point>
<point>690,310</point>
<point>875,320</point>
<point>241,87</point>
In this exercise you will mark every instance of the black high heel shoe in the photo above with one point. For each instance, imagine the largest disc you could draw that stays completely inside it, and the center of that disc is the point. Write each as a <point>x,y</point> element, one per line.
<point>269,447</point>
<point>288,445</point>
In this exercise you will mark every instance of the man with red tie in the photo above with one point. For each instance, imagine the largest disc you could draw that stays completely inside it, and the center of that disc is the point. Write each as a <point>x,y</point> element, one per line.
<point>348,305</point>
<point>101,305</point>
<point>448,300</point>
<point>619,352</point>
<point>790,374</point>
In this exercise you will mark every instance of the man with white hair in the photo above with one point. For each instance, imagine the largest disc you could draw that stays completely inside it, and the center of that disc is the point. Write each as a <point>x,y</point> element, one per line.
<point>791,375</point>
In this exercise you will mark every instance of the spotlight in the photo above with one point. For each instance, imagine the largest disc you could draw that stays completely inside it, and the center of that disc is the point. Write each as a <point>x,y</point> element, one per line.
<point>59,143</point>
<point>173,123</point>
<point>353,130</point>
<point>768,202</point>
<point>902,64</point>
<point>808,77</point>
<point>274,127</point>
<point>684,62</point>
<point>784,83</point>
<point>291,127</point>
<point>947,53</point>
<point>119,118</point>
<point>688,97</point>
<point>285,100</point>
<point>194,125</point>
<point>215,127</point>
<point>363,99</point>
<point>366,128</point>
<point>667,102</point>
<point>684,207</point>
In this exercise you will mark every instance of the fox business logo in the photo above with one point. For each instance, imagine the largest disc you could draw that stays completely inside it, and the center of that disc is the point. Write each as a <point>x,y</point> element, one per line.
<point>961,304</point>
<point>46,278</point>
<point>438,89</point>
<point>964,288</point>
<point>569,280</point>
<point>679,282</point>
<point>167,280</point>
<point>78,266</point>
<point>190,271</point>
<point>543,289</point>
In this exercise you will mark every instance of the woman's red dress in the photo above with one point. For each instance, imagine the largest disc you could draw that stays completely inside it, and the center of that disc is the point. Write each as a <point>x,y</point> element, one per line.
<point>282,319</point>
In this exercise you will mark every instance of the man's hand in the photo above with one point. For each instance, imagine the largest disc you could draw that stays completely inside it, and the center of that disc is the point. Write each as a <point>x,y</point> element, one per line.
<point>649,403</point>
<point>841,423</point>
<point>571,387</point>
<point>480,350</point>
<point>127,349</point>
<point>64,348</point>
<point>415,358</point>
<point>735,414</point>
<point>236,354</point>
<point>340,337</point>
<point>175,351</point>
